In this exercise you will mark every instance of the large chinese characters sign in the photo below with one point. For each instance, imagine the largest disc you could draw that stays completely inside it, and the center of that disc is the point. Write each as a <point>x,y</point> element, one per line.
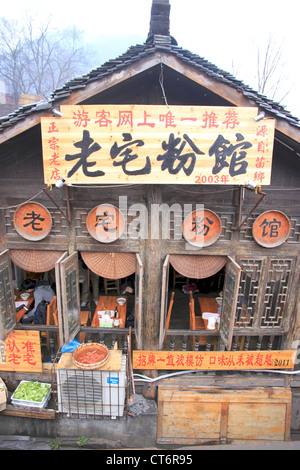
<point>157,144</point>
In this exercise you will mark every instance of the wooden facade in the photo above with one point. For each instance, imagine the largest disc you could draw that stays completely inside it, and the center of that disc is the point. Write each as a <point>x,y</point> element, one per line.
<point>22,178</point>
<point>268,282</point>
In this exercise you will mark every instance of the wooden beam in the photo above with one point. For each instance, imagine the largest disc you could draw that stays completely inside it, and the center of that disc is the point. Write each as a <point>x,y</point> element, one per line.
<point>227,92</point>
<point>27,412</point>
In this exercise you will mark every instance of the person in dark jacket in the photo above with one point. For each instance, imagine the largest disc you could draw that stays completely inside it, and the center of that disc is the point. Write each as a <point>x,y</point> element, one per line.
<point>41,291</point>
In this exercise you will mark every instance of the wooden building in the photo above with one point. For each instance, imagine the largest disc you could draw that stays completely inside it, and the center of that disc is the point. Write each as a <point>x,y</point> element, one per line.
<point>254,256</point>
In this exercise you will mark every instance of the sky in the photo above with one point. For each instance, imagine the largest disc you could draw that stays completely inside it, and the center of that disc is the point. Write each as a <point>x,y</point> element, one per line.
<point>225,32</point>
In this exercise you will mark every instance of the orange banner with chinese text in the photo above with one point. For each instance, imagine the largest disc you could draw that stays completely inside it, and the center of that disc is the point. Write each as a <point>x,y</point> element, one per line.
<point>22,352</point>
<point>214,360</point>
<point>95,144</point>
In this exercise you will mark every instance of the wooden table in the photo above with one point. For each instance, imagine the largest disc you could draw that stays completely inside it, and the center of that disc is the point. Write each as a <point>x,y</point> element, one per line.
<point>109,302</point>
<point>208,304</point>
<point>27,304</point>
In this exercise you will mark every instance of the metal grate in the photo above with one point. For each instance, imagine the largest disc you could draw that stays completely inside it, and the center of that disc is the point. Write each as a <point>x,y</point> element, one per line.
<point>88,393</point>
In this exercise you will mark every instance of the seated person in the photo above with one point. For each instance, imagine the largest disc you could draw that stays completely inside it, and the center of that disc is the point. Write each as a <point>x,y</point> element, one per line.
<point>41,291</point>
<point>28,285</point>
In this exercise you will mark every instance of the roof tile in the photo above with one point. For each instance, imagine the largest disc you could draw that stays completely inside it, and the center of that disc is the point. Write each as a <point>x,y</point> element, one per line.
<point>134,53</point>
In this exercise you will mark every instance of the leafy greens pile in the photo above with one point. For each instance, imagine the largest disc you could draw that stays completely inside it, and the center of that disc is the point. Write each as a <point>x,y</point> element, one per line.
<point>32,391</point>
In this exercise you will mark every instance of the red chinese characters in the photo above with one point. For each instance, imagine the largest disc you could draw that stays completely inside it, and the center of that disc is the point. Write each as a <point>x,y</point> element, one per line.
<point>217,360</point>
<point>22,352</point>
<point>53,143</point>
<point>207,120</point>
<point>262,135</point>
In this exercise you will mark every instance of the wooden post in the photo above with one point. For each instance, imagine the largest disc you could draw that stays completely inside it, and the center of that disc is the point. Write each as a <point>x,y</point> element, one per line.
<point>152,280</point>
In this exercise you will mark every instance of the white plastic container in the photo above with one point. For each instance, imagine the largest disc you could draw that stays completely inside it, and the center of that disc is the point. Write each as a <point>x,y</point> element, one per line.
<point>212,320</point>
<point>34,404</point>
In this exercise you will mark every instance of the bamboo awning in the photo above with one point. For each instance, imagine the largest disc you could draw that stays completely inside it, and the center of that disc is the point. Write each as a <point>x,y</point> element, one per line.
<point>36,261</point>
<point>110,265</point>
<point>197,267</point>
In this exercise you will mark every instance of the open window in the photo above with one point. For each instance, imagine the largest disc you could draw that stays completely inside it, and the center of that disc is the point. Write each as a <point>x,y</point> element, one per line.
<point>8,318</point>
<point>203,270</point>
<point>116,266</point>
<point>15,264</point>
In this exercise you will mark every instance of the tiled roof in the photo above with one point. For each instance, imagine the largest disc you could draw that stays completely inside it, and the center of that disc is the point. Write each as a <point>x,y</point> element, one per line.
<point>153,44</point>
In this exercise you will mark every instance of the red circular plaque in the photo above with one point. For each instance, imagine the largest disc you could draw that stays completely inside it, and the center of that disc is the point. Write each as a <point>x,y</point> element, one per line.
<point>202,227</point>
<point>271,229</point>
<point>105,223</point>
<point>32,221</point>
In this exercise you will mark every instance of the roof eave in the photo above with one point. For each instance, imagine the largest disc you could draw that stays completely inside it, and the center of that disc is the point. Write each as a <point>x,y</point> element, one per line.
<point>126,71</point>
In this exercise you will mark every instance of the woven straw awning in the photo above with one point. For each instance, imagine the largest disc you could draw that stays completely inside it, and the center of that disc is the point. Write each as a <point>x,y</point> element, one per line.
<point>197,267</point>
<point>110,265</point>
<point>36,261</point>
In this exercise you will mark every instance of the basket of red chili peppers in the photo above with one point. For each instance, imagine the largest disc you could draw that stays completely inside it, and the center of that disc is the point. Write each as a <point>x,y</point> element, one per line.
<point>90,356</point>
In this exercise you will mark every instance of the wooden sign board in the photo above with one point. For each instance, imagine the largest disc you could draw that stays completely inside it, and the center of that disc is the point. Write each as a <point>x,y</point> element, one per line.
<point>157,144</point>
<point>22,352</point>
<point>216,360</point>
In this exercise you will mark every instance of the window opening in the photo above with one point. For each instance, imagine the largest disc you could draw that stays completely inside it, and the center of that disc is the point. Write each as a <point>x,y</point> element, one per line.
<point>258,318</point>
<point>209,287</point>
<point>94,287</point>
<point>176,295</point>
<point>27,296</point>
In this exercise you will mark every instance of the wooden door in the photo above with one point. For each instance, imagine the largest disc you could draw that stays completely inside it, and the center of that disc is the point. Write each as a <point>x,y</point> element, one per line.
<point>8,318</point>
<point>70,297</point>
<point>59,297</point>
<point>164,300</point>
<point>230,294</point>
<point>139,273</point>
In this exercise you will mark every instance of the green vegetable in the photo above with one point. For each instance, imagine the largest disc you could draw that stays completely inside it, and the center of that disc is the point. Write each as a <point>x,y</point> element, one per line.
<point>32,391</point>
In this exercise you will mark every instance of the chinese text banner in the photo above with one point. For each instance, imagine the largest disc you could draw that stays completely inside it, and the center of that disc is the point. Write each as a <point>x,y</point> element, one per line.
<point>157,144</point>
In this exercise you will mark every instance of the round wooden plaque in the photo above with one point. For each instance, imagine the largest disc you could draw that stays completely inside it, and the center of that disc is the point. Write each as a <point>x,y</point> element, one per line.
<point>32,221</point>
<point>271,229</point>
<point>202,228</point>
<point>105,223</point>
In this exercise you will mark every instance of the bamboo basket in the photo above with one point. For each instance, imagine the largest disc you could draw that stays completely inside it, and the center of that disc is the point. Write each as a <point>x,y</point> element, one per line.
<point>84,349</point>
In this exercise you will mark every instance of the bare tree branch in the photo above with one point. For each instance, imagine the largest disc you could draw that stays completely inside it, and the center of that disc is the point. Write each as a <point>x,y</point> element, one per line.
<point>271,79</point>
<point>38,60</point>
